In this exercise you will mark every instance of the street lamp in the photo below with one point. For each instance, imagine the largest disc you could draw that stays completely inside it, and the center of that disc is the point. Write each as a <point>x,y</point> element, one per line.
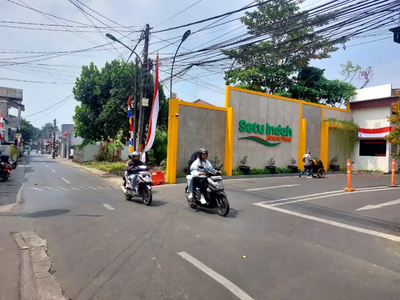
<point>113,38</point>
<point>184,37</point>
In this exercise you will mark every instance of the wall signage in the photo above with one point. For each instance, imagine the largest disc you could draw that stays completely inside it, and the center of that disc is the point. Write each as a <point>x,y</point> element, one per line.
<point>274,134</point>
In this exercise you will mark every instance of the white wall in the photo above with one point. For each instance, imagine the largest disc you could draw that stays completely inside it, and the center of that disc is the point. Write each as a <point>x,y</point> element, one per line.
<point>372,118</point>
<point>90,152</point>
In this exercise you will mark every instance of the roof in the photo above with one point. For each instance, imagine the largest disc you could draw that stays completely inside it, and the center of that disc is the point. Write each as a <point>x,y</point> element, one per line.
<point>381,102</point>
<point>199,101</point>
<point>11,93</point>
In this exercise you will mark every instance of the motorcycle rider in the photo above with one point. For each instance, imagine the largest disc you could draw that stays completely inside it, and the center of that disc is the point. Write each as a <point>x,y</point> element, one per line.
<point>131,168</point>
<point>197,170</point>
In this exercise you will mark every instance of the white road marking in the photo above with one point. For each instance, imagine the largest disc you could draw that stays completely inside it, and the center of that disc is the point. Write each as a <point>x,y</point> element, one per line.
<point>100,187</point>
<point>61,188</point>
<point>93,188</point>
<point>222,280</point>
<point>65,180</point>
<point>36,189</point>
<point>271,187</point>
<point>333,223</point>
<point>47,166</point>
<point>380,205</point>
<point>108,206</point>
<point>50,188</point>
<point>333,195</point>
<point>74,188</point>
<point>53,171</point>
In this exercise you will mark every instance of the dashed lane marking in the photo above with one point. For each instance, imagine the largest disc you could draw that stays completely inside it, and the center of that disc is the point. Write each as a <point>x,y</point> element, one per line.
<point>72,188</point>
<point>108,206</point>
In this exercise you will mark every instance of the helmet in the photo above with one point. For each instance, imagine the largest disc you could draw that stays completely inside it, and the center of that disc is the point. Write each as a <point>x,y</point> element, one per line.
<point>203,151</point>
<point>135,153</point>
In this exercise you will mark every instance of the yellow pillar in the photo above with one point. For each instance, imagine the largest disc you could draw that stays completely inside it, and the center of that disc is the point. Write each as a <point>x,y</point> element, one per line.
<point>228,163</point>
<point>324,144</point>
<point>302,141</point>
<point>172,148</point>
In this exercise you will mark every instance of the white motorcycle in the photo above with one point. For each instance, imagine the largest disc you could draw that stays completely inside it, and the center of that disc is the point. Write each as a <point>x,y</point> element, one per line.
<point>143,188</point>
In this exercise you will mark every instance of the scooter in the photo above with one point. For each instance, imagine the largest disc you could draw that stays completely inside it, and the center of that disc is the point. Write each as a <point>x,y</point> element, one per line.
<point>13,163</point>
<point>143,187</point>
<point>214,194</point>
<point>5,171</point>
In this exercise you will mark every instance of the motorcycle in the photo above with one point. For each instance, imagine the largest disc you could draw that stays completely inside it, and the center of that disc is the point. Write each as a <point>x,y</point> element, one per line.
<point>214,194</point>
<point>143,187</point>
<point>13,163</point>
<point>5,171</point>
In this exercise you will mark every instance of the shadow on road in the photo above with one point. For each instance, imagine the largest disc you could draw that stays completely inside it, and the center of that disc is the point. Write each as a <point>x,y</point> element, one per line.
<point>232,212</point>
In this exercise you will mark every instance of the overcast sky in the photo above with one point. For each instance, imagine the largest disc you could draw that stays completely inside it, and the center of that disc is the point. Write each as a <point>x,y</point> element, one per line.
<point>44,101</point>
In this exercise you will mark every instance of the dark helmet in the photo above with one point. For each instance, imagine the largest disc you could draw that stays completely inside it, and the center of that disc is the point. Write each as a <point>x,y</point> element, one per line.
<point>203,151</point>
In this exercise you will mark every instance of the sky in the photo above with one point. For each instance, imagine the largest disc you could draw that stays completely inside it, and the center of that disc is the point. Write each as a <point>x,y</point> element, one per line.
<point>47,101</point>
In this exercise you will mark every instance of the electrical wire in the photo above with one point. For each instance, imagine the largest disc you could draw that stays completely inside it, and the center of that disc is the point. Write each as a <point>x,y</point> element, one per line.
<point>183,10</point>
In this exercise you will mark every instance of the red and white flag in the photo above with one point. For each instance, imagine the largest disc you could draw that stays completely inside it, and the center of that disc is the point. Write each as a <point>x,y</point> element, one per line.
<point>374,133</point>
<point>154,113</point>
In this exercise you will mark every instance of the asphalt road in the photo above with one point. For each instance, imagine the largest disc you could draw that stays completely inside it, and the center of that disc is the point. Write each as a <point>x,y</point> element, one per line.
<point>285,238</point>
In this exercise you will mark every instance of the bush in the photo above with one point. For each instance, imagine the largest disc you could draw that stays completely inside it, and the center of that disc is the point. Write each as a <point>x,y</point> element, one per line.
<point>236,173</point>
<point>158,152</point>
<point>181,175</point>
<point>259,171</point>
<point>283,170</point>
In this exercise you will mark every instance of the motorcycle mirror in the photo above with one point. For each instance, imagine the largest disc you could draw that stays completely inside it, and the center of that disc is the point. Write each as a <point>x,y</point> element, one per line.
<point>130,156</point>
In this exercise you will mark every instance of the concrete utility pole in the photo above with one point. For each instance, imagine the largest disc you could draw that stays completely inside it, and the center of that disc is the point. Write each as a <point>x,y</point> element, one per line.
<point>54,139</point>
<point>145,71</point>
<point>134,108</point>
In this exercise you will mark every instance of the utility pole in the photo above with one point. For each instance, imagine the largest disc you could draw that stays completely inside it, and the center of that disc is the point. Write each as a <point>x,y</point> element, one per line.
<point>54,139</point>
<point>143,93</point>
<point>135,104</point>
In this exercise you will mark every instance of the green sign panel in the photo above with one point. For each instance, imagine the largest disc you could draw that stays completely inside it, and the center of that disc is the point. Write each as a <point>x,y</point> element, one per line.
<point>274,134</point>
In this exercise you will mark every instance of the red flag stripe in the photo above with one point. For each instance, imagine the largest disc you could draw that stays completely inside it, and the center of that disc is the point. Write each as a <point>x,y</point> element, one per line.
<point>375,130</point>
<point>154,97</point>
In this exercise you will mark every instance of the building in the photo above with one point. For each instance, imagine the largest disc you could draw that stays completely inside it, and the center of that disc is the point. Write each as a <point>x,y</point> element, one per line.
<point>10,98</point>
<point>256,128</point>
<point>199,101</point>
<point>370,110</point>
<point>67,140</point>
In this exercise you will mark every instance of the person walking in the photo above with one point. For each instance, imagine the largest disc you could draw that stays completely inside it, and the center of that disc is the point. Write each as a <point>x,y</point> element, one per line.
<point>307,164</point>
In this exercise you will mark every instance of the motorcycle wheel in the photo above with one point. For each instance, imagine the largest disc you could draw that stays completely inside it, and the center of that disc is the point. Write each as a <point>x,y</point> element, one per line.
<point>193,206</point>
<point>314,175</point>
<point>147,197</point>
<point>128,197</point>
<point>321,173</point>
<point>15,166</point>
<point>5,176</point>
<point>223,210</point>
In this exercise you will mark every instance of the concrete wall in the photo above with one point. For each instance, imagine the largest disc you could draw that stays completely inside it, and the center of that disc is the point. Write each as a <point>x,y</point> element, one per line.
<point>313,114</point>
<point>263,109</point>
<point>200,127</point>
<point>335,149</point>
<point>86,154</point>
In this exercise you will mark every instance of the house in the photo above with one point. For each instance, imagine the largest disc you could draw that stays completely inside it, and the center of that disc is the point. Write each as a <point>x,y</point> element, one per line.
<point>199,101</point>
<point>10,98</point>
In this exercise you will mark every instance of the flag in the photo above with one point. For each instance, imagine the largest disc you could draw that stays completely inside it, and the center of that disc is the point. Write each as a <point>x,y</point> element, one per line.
<point>154,113</point>
<point>130,149</point>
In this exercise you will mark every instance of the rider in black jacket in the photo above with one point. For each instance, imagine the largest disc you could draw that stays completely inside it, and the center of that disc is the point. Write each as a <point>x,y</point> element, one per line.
<point>131,167</point>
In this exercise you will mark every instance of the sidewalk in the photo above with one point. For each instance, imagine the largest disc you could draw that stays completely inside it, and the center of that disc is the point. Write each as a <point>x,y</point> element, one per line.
<point>10,190</point>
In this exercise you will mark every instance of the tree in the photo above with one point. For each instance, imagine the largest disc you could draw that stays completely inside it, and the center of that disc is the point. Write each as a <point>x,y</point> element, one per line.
<point>28,131</point>
<point>103,96</point>
<point>288,43</point>
<point>47,131</point>
<point>350,71</point>
<point>394,135</point>
<point>311,85</point>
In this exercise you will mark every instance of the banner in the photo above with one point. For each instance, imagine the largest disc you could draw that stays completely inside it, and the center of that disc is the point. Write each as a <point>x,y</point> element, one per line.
<point>154,112</point>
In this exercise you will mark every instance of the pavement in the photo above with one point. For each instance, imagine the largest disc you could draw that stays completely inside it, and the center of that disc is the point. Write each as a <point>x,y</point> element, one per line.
<point>285,238</point>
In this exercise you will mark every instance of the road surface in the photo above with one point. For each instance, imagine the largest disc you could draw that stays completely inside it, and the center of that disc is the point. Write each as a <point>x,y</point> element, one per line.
<point>285,238</point>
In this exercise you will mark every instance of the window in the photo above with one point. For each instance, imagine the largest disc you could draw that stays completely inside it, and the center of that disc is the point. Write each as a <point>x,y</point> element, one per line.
<point>372,147</point>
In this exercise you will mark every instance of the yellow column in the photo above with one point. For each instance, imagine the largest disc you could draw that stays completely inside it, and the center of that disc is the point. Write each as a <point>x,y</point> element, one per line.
<point>302,142</point>
<point>324,144</point>
<point>172,148</point>
<point>229,141</point>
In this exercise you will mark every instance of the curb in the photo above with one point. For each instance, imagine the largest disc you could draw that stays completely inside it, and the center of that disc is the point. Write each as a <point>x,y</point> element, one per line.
<point>37,282</point>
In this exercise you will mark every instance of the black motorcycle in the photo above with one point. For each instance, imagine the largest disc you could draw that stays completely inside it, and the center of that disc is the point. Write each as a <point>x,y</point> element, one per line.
<point>213,191</point>
<point>5,171</point>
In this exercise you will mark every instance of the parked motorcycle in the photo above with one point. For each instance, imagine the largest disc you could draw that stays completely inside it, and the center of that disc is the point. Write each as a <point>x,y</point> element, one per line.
<point>143,187</point>
<point>214,194</point>
<point>5,171</point>
<point>13,163</point>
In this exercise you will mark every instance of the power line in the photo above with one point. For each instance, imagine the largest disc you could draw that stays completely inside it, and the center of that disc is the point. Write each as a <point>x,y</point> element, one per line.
<point>32,81</point>
<point>213,18</point>
<point>178,13</point>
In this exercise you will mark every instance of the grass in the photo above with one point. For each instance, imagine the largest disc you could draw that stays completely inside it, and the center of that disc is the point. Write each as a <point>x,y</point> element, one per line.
<point>108,167</point>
